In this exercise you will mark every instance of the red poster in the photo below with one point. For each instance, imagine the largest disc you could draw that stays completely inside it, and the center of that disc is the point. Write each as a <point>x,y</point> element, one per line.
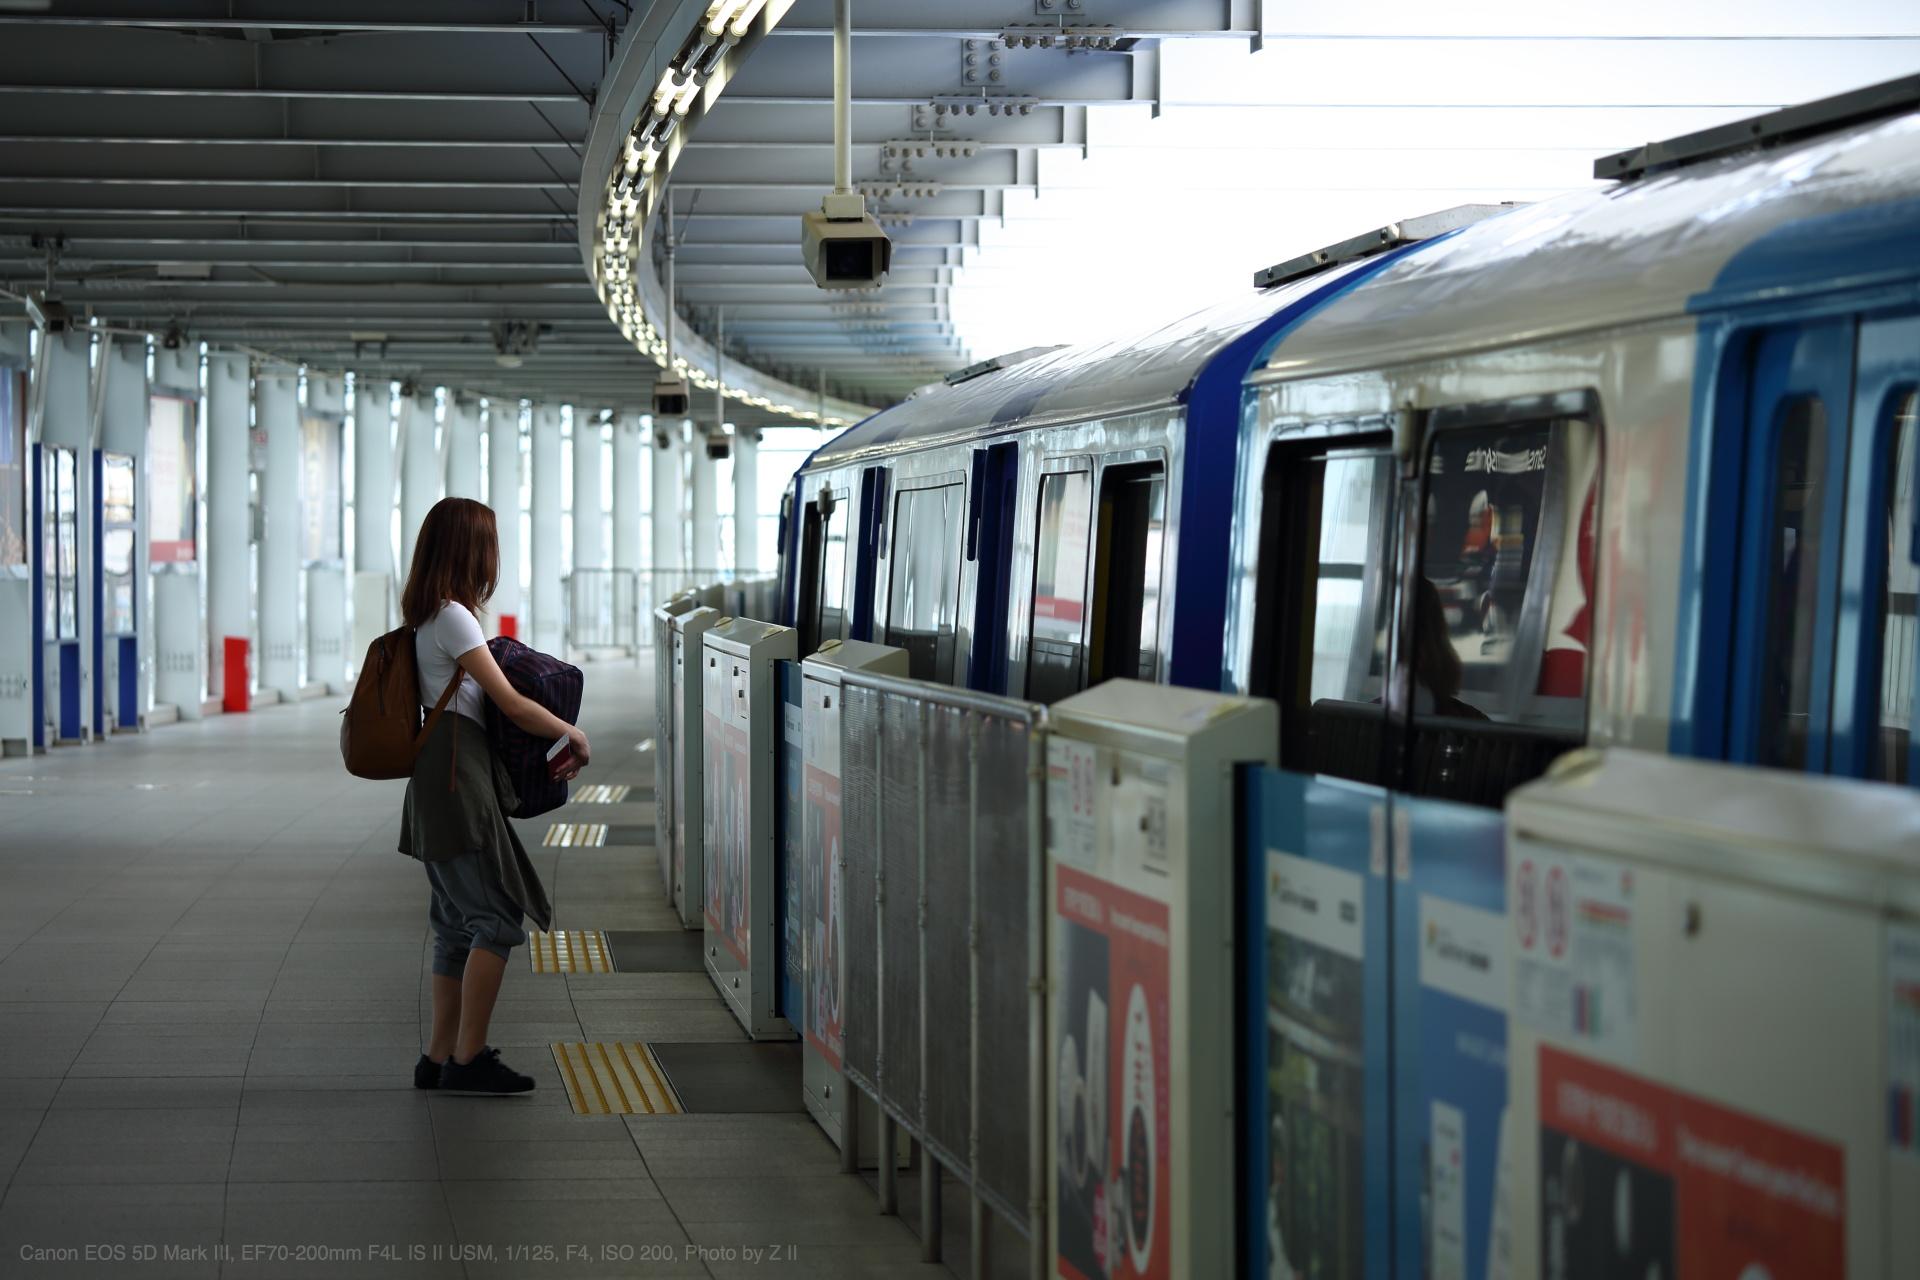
<point>1636,1177</point>
<point>1114,1162</point>
<point>728,799</point>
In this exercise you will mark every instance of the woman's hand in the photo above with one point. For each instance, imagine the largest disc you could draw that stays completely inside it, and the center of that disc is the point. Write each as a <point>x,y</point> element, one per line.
<point>582,752</point>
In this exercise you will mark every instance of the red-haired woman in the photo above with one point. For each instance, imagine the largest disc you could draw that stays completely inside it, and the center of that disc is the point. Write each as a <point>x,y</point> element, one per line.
<point>455,816</point>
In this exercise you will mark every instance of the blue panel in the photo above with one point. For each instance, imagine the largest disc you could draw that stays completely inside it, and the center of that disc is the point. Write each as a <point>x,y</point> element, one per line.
<point>996,470</point>
<point>1317,1181</point>
<point>70,690</point>
<point>1450,1033</point>
<point>98,585</point>
<point>791,823</point>
<point>36,553</point>
<point>1715,450</point>
<point>1853,249</point>
<point>129,713</point>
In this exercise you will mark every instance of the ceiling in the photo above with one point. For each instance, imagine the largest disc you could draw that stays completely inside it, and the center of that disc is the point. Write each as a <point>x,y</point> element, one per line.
<point>394,186</point>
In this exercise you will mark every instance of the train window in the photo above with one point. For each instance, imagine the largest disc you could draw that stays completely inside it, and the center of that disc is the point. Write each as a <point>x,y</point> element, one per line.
<point>923,595</point>
<point>1793,582</point>
<point>1899,588</point>
<point>1056,641</point>
<point>823,570</point>
<point>1323,598</point>
<point>1500,612</point>
<point>1124,639</point>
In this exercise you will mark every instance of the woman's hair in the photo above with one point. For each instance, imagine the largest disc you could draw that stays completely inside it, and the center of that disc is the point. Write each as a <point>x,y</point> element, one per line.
<point>1436,663</point>
<point>455,557</point>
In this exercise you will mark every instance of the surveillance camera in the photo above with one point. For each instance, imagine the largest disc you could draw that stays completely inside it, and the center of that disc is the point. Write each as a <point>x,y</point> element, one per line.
<point>843,246</point>
<point>49,315</point>
<point>661,440</point>
<point>718,446</point>
<point>670,399</point>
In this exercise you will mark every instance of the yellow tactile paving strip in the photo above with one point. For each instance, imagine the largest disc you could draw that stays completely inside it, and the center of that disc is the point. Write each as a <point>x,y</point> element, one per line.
<point>583,835</point>
<point>622,1079</point>
<point>599,793</point>
<point>569,951</point>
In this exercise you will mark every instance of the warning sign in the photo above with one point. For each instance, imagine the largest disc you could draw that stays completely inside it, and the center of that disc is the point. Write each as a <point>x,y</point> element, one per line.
<point>1637,1179</point>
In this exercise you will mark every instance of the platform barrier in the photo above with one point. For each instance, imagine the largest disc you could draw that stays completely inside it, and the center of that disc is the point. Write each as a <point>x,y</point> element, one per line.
<point>942,803</point>
<point>1652,1020</point>
<point>604,608</point>
<point>688,752</point>
<point>741,723</point>
<point>664,755</point>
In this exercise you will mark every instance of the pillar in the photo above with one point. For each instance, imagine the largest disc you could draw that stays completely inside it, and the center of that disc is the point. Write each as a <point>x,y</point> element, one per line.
<point>746,501</point>
<point>544,551</point>
<point>325,572</point>
<point>179,639</point>
<point>503,495</point>
<point>588,518</point>
<point>704,546</point>
<point>463,447</point>
<point>419,473</point>
<point>125,686</point>
<point>373,499</point>
<point>276,413</point>
<point>229,551</point>
<point>628,432</point>
<point>66,438</point>
<point>667,507</point>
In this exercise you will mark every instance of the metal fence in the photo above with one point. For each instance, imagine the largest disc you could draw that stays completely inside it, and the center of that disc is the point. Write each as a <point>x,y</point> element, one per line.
<point>944,794</point>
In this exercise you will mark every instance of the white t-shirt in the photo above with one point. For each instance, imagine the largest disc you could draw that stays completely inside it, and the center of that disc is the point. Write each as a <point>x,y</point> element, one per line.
<point>437,647</point>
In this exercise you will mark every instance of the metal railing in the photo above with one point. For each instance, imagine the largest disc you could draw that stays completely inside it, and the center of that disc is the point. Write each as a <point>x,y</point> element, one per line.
<point>944,881</point>
<point>612,608</point>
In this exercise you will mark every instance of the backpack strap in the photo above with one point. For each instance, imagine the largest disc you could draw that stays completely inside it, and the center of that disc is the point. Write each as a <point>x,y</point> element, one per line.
<point>426,730</point>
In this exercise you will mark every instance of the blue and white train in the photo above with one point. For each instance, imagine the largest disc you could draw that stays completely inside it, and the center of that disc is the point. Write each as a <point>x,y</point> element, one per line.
<point>1630,466</point>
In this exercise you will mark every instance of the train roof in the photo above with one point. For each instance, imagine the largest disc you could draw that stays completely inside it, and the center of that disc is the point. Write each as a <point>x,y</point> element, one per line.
<point>1148,368</point>
<point>1842,210</point>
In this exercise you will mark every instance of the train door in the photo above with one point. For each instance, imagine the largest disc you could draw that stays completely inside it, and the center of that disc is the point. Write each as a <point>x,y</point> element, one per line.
<point>923,546</point>
<point>1793,481</point>
<point>1098,561</point>
<point>821,608</point>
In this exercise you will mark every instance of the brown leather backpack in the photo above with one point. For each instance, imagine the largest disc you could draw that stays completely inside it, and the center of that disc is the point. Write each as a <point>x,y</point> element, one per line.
<point>380,731</point>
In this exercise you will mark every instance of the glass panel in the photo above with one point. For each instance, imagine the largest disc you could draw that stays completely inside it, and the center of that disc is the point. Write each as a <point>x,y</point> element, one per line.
<point>1058,632</point>
<point>1500,618</point>
<point>62,550</point>
<point>1793,576</point>
<point>116,497</point>
<point>1349,650</point>
<point>1150,583</point>
<point>923,596</point>
<point>1897,596</point>
<point>13,474</point>
<point>833,574</point>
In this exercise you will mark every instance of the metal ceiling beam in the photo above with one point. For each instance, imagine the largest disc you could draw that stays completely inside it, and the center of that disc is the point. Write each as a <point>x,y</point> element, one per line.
<point>326,26</point>
<point>335,95</point>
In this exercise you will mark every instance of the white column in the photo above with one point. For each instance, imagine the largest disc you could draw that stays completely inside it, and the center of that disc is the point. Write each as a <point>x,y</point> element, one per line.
<point>705,517</point>
<point>67,423</point>
<point>229,514</point>
<point>588,516</point>
<point>503,495</point>
<point>667,504</point>
<point>463,448</point>
<point>627,435</point>
<point>419,473</point>
<point>746,501</point>
<point>325,576</point>
<point>373,495</point>
<point>179,642</point>
<point>123,430</point>
<point>276,411</point>
<point>545,634</point>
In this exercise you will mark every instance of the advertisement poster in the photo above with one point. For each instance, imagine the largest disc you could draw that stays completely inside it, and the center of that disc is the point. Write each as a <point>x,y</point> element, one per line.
<point>1573,948</point>
<point>1316,1198</point>
<point>1638,1180</point>
<point>792,824</point>
<point>820,854</point>
<point>728,889</point>
<point>170,488</point>
<point>1113,1163</point>
<point>1463,1079</point>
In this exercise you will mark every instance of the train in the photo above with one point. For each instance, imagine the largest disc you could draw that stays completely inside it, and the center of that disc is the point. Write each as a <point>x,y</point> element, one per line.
<point>1630,466</point>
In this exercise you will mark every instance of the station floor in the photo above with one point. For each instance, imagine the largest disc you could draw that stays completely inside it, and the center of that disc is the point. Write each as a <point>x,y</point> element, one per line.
<point>213,987</point>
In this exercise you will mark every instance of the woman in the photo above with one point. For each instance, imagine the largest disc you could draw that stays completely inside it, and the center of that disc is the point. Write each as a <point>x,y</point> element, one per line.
<point>483,884</point>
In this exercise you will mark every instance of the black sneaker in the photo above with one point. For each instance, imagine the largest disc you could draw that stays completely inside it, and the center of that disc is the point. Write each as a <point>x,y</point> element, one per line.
<point>485,1074</point>
<point>426,1073</point>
